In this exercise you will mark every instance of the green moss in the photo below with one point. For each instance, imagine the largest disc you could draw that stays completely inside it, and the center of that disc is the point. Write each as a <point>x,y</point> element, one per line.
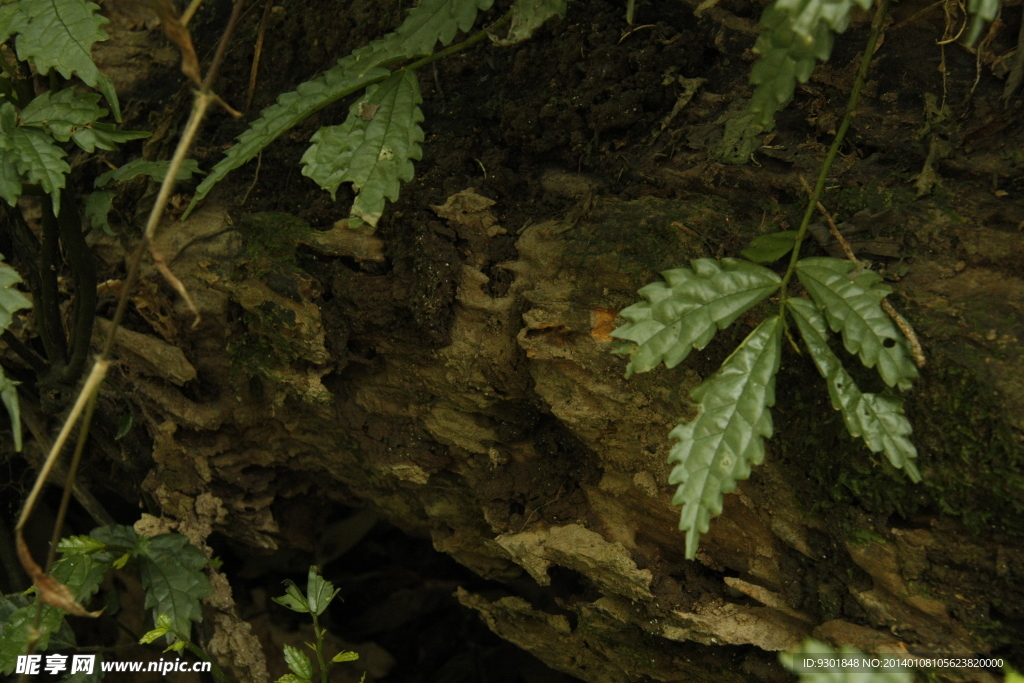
<point>270,238</point>
<point>971,462</point>
<point>864,537</point>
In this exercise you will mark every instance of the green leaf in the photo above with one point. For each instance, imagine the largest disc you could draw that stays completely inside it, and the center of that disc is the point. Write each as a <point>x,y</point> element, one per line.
<point>292,678</point>
<point>770,248</point>
<point>437,20</point>
<point>684,312</point>
<point>171,569</point>
<point>832,668</point>
<point>431,21</point>
<point>373,149</point>
<point>97,210</point>
<point>119,536</point>
<point>716,450</point>
<point>528,16</point>
<point>794,35</point>
<point>983,12</point>
<point>298,662</point>
<point>319,592</point>
<point>11,301</point>
<point>293,598</point>
<point>346,656</point>
<point>10,20</point>
<point>40,160</point>
<point>154,169</point>
<point>62,113</point>
<point>851,298</point>
<point>105,136</point>
<point>80,545</point>
<point>877,418</point>
<point>10,179</point>
<point>59,34</point>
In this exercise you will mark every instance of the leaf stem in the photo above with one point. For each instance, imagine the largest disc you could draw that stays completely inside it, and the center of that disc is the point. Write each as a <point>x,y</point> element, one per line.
<point>851,110</point>
<point>319,647</point>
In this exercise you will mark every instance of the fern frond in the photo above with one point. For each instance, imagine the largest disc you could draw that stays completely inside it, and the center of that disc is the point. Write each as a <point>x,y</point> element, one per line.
<point>373,149</point>
<point>68,115</point>
<point>431,21</point>
<point>684,312</point>
<point>851,298</point>
<point>716,450</point>
<point>794,34</point>
<point>876,418</point>
<point>60,34</point>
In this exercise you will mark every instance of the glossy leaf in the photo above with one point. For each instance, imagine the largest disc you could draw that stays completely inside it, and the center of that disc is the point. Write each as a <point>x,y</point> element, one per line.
<point>374,148</point>
<point>851,298</point>
<point>877,418</point>
<point>319,592</point>
<point>684,311</point>
<point>716,450</point>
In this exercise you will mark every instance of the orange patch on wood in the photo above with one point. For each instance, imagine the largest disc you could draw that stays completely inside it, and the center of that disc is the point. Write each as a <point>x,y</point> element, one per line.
<point>602,322</point>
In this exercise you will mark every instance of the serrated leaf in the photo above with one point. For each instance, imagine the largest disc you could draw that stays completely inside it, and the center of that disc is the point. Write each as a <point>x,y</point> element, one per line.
<point>346,656</point>
<point>851,298</point>
<point>62,113</point>
<point>80,545</point>
<point>40,161</point>
<point>171,569</point>
<point>298,661</point>
<point>876,418</point>
<point>431,21</point>
<point>319,592</point>
<point>437,20</point>
<point>770,248</point>
<point>119,536</point>
<point>10,20</point>
<point>716,450</point>
<point>60,34</point>
<point>528,16</point>
<point>375,155</point>
<point>838,666</point>
<point>154,169</point>
<point>794,35</point>
<point>684,312</point>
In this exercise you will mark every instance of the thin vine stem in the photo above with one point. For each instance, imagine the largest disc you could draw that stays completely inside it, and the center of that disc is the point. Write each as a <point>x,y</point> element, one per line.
<point>851,111</point>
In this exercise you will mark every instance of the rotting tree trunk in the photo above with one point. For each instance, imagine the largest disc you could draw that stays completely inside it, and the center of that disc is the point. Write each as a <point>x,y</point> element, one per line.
<point>521,451</point>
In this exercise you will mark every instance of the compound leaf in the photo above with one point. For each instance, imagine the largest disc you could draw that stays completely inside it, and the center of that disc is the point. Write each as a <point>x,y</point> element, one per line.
<point>716,450</point>
<point>684,312</point>
<point>172,574</point>
<point>877,418</point>
<point>851,298</point>
<point>59,34</point>
<point>374,148</point>
<point>431,21</point>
